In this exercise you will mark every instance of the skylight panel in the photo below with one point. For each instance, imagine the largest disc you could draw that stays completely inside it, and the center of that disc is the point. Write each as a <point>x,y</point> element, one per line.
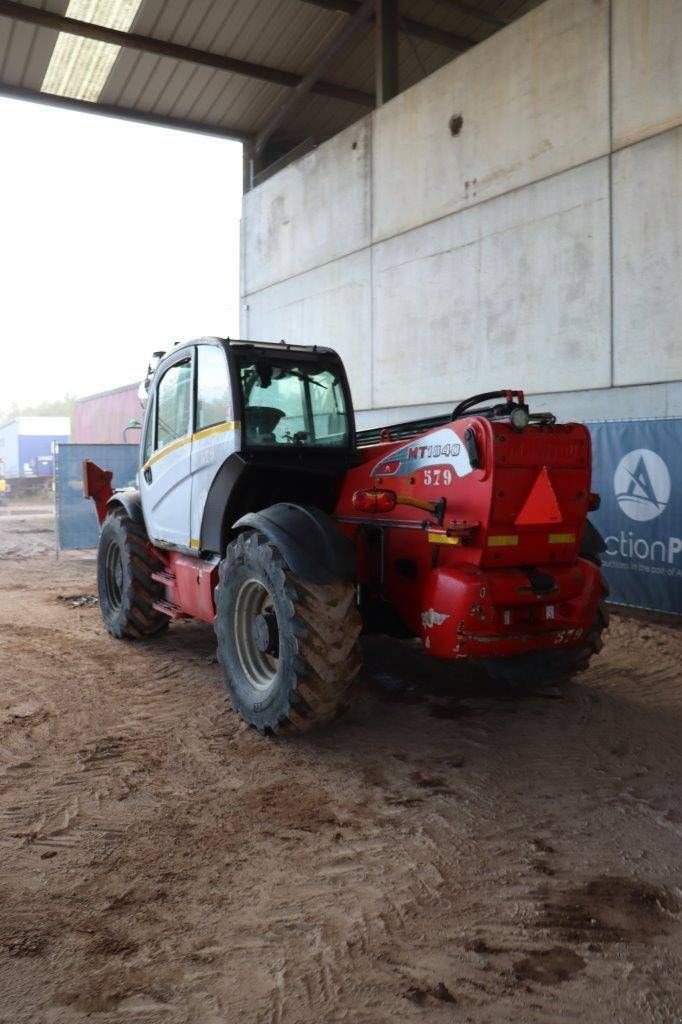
<point>79,67</point>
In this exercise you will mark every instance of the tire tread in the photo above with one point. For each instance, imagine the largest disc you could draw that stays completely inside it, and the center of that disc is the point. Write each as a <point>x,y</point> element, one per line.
<point>326,626</point>
<point>137,618</point>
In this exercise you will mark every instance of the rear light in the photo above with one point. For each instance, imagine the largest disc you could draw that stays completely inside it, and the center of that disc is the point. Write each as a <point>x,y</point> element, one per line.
<point>374,501</point>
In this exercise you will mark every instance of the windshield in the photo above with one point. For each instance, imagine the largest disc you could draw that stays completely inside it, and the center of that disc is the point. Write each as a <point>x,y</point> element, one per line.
<point>287,403</point>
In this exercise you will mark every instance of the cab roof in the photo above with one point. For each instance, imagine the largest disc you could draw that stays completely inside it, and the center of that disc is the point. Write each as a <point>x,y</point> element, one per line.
<point>242,344</point>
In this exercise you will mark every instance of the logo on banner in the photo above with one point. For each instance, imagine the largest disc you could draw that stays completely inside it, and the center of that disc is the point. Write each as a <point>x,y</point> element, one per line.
<point>642,485</point>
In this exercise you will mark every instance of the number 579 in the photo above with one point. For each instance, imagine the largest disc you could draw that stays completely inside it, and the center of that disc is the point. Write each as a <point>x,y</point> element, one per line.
<point>437,477</point>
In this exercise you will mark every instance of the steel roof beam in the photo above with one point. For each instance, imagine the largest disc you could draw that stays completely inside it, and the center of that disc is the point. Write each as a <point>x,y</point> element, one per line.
<point>416,29</point>
<point>17,92</point>
<point>164,48</point>
<point>471,11</point>
<point>336,45</point>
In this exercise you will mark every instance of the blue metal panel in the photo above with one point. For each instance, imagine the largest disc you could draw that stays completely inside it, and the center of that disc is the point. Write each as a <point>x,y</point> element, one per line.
<point>35,454</point>
<point>77,526</point>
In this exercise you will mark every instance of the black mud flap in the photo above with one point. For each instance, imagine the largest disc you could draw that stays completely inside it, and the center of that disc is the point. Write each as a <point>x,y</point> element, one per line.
<point>129,499</point>
<point>592,543</point>
<point>309,541</point>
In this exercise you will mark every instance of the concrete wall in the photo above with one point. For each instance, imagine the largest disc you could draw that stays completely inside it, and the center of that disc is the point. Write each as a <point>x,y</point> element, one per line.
<point>538,247</point>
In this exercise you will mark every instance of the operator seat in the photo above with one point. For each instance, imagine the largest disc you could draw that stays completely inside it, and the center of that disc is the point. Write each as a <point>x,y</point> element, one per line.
<point>261,421</point>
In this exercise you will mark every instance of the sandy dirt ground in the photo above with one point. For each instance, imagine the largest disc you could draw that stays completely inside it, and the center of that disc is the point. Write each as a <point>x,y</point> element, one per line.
<point>449,851</point>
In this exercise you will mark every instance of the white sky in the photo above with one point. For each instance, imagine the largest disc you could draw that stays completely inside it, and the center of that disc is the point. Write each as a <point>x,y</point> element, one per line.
<point>116,239</point>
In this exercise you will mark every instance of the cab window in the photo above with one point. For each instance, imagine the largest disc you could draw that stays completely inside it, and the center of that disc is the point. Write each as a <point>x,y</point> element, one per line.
<point>173,403</point>
<point>291,403</point>
<point>213,387</point>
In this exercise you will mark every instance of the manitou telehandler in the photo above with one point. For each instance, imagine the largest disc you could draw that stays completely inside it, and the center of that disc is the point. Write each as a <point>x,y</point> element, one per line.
<point>259,509</point>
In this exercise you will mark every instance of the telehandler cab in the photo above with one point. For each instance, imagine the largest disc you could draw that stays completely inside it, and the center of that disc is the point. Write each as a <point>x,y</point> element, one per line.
<point>259,509</point>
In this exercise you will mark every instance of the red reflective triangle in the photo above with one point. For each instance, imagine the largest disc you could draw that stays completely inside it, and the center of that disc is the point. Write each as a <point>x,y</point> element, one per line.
<point>541,505</point>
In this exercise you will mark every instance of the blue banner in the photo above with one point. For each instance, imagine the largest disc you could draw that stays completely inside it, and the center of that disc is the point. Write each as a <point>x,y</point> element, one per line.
<point>77,525</point>
<point>637,470</point>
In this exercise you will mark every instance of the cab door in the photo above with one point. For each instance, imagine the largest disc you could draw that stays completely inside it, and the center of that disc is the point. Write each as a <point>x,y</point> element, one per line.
<point>165,476</point>
<point>215,432</point>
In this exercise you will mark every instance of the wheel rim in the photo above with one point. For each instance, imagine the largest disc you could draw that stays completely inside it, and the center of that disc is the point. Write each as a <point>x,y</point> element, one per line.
<point>256,634</point>
<point>114,576</point>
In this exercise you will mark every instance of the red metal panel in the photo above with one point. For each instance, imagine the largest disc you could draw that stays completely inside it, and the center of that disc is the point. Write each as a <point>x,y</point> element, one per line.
<point>190,583</point>
<point>97,486</point>
<point>495,614</point>
<point>102,418</point>
<point>458,575</point>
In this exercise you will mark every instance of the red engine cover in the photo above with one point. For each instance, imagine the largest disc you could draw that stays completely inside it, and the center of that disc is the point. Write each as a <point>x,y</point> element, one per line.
<point>478,506</point>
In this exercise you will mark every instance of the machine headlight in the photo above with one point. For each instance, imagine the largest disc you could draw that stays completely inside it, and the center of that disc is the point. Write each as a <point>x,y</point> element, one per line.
<point>520,418</point>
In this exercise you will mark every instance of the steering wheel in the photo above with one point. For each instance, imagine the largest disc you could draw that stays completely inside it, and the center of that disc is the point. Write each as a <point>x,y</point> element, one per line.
<point>297,438</point>
<point>490,410</point>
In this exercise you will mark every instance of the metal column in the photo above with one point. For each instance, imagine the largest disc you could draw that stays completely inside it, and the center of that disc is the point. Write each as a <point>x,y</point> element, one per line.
<point>386,49</point>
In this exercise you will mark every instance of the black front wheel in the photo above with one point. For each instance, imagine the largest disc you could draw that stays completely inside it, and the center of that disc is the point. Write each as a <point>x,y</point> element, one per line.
<point>127,592</point>
<point>288,648</point>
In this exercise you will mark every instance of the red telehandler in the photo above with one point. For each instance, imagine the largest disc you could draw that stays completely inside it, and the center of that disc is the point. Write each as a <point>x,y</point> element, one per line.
<point>258,508</point>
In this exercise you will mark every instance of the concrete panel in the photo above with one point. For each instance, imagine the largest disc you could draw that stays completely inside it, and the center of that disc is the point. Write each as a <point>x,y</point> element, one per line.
<point>647,68</point>
<point>632,403</point>
<point>312,212</point>
<point>328,306</point>
<point>534,101</point>
<point>512,293</point>
<point>628,403</point>
<point>647,260</point>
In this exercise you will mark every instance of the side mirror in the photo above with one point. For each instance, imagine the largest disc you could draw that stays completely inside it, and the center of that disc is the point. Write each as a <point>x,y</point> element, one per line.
<point>133,425</point>
<point>143,390</point>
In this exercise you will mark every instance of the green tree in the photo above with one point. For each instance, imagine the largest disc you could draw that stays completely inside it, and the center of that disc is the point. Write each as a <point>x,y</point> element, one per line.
<point>57,407</point>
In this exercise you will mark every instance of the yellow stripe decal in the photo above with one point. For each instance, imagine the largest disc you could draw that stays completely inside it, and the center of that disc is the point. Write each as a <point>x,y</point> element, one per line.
<point>220,428</point>
<point>503,541</point>
<point>195,542</point>
<point>442,538</point>
<point>167,450</point>
<point>562,538</point>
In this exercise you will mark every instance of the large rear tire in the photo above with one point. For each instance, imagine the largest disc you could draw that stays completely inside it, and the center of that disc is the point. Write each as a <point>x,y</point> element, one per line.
<point>288,648</point>
<point>127,592</point>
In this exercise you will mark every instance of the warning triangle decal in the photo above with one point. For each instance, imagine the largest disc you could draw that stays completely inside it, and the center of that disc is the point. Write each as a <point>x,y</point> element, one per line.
<point>541,505</point>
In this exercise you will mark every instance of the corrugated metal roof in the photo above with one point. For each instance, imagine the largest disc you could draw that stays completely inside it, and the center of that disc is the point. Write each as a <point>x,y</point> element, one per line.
<point>285,34</point>
<point>25,50</point>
